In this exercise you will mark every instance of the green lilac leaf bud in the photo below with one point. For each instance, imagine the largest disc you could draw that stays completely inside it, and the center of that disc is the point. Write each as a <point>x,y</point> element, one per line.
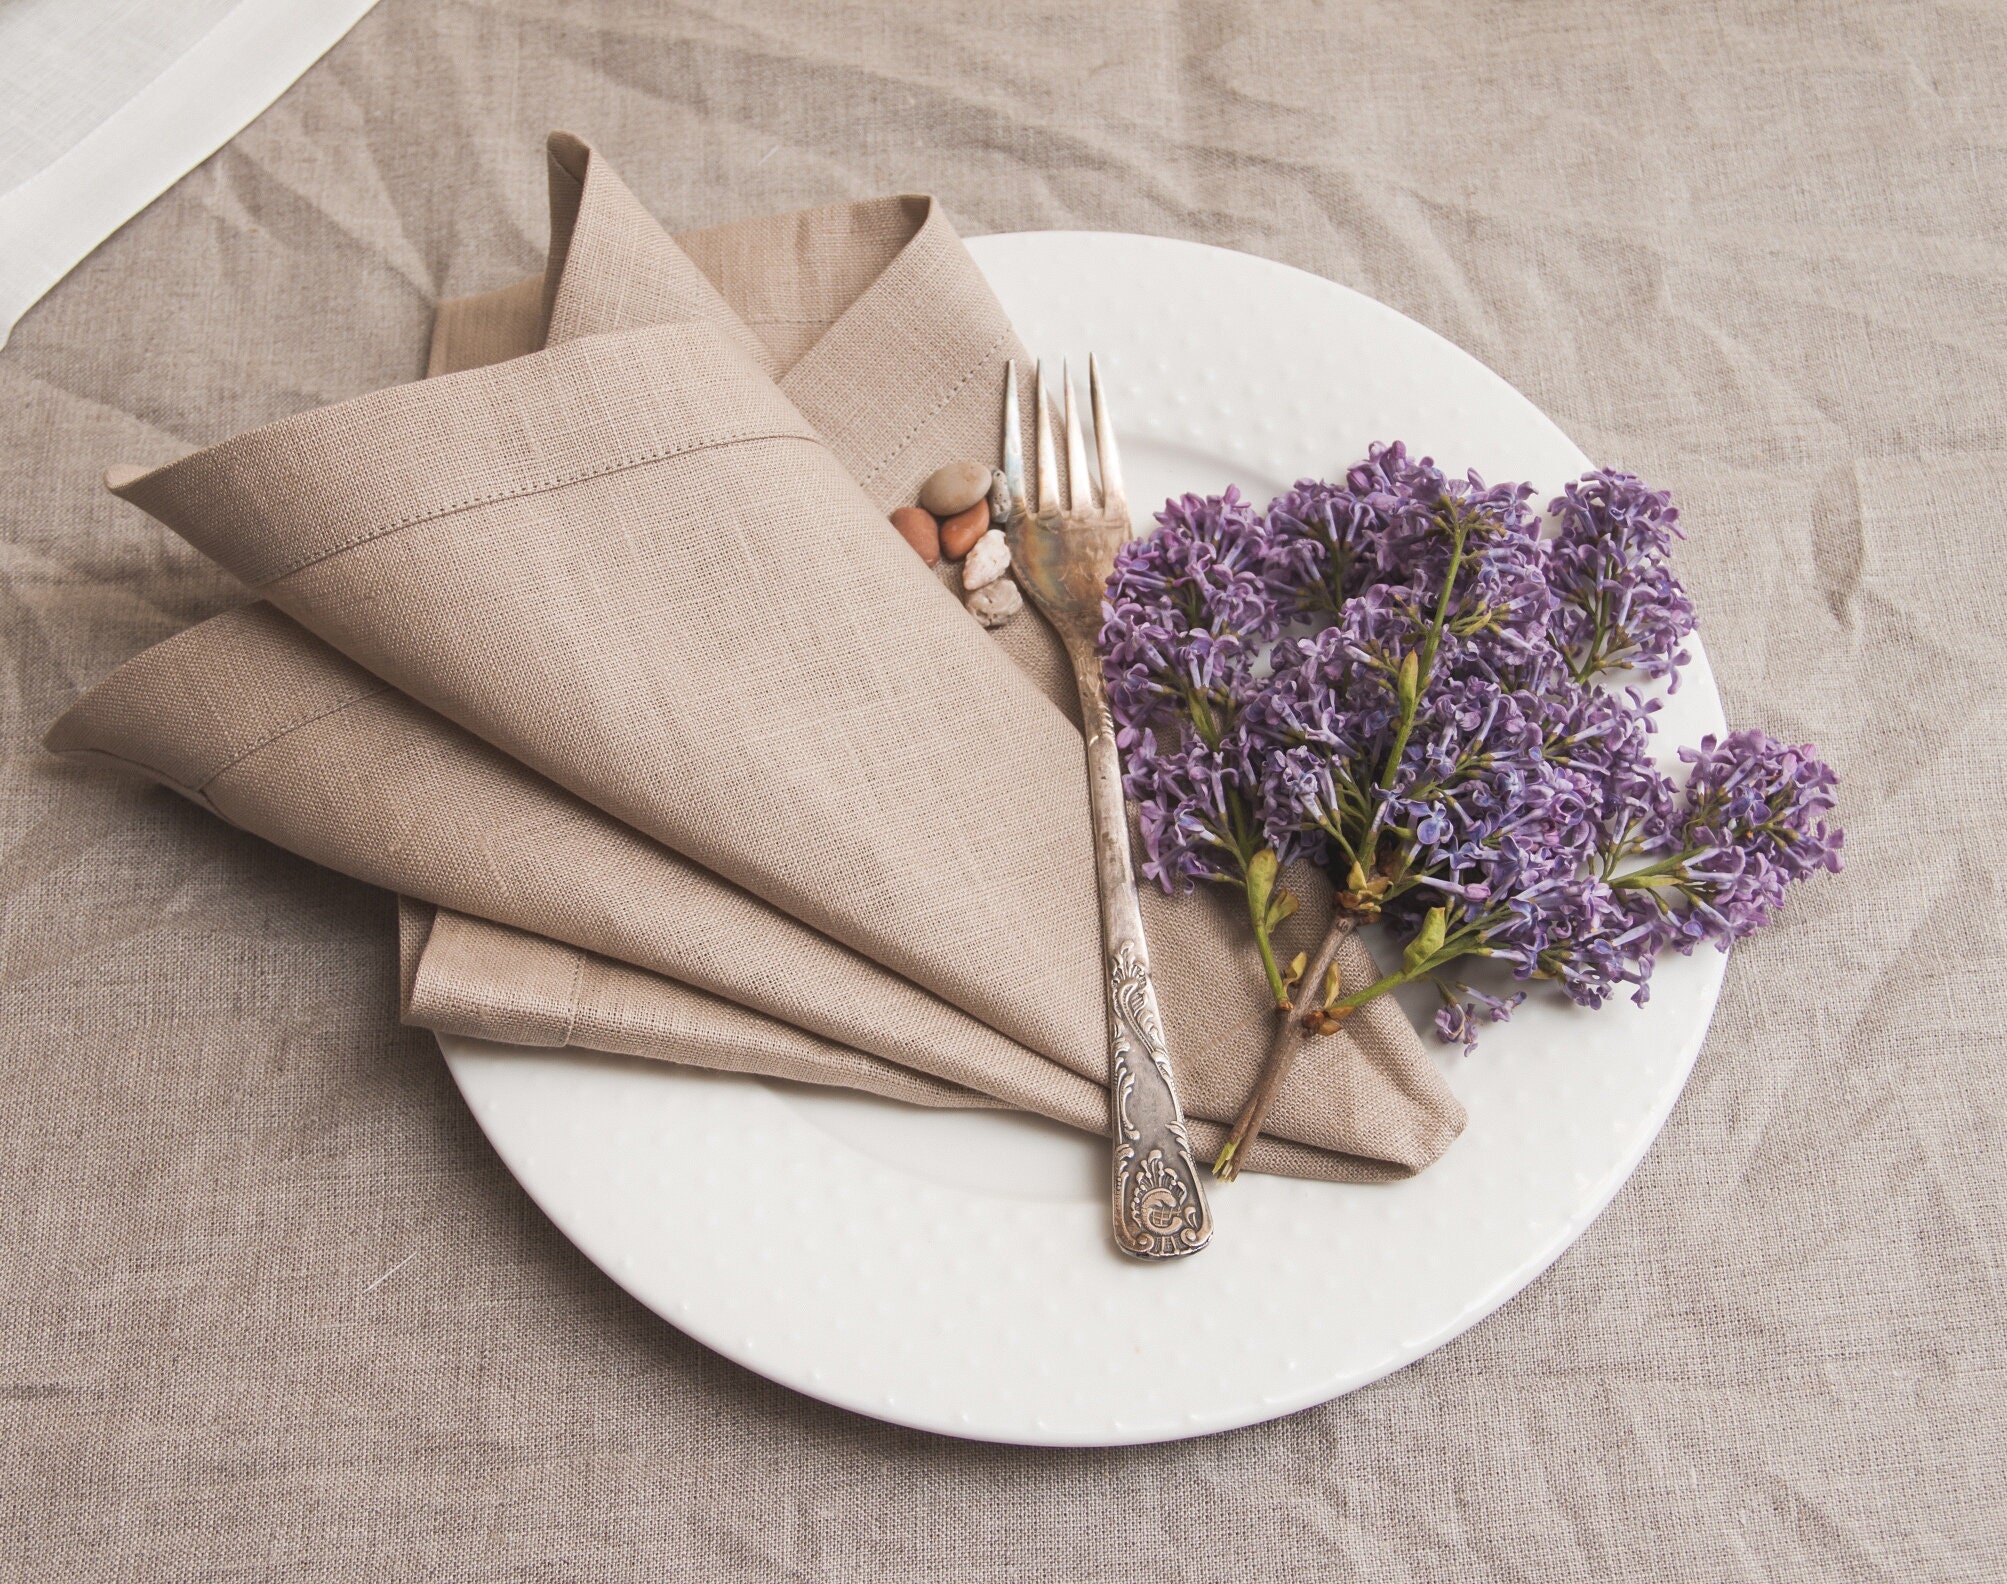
<point>1429,940</point>
<point>1261,880</point>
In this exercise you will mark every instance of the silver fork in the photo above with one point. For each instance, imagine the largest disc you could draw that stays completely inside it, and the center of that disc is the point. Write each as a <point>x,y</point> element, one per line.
<point>1062,557</point>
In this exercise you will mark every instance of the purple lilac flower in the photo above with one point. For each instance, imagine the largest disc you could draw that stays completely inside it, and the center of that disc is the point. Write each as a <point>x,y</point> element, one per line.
<point>1383,537</point>
<point>1752,821</point>
<point>1327,541</point>
<point>1443,750</point>
<point>1602,733</point>
<point>1610,566</point>
<point>1185,615</point>
<point>1184,621</point>
<point>1464,1009</point>
<point>1191,806</point>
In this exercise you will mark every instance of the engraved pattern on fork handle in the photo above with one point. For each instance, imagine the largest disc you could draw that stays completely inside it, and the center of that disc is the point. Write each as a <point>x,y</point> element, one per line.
<point>1159,1196</point>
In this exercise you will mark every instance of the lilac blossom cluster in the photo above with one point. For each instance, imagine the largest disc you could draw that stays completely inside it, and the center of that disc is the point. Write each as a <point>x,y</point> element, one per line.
<point>1400,676</point>
<point>1184,625</point>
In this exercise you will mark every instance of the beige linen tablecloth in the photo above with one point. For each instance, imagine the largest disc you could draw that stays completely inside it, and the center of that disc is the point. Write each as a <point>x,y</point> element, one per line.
<point>274,1310</point>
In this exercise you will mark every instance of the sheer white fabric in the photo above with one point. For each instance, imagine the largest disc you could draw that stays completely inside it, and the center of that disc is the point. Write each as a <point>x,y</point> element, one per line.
<point>105,104</point>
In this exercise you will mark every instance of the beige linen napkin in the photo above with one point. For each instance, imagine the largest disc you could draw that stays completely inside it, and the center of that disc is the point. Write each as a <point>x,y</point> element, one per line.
<point>462,975</point>
<point>631,562</point>
<point>262,724</point>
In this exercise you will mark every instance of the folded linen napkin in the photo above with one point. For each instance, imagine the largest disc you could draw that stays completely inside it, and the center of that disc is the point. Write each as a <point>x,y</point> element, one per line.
<point>462,975</point>
<point>631,562</point>
<point>562,997</point>
<point>606,939</point>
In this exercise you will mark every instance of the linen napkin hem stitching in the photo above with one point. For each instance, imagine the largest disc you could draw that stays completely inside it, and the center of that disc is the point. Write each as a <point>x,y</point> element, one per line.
<point>987,357</point>
<point>539,487</point>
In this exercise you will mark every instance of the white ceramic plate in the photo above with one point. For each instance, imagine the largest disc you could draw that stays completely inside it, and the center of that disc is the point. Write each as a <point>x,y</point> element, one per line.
<point>954,1272</point>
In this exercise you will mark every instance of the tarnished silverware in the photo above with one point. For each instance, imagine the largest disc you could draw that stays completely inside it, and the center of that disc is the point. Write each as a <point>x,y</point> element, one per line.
<point>1061,557</point>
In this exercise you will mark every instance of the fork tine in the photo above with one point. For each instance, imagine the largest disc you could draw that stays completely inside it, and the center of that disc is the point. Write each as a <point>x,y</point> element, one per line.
<point>1079,488</point>
<point>1013,465</point>
<point>1048,467</point>
<point>1114,501</point>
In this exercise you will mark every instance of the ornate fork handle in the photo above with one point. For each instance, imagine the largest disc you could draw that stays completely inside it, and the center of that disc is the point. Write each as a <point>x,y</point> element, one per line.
<point>1159,1197</point>
<point>1062,555</point>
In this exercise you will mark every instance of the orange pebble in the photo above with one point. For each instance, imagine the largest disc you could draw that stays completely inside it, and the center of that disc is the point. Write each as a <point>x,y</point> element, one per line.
<point>919,530</point>
<point>961,531</point>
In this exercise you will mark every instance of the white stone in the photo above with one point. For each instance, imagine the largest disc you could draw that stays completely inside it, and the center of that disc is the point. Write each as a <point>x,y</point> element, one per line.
<point>996,603</point>
<point>989,559</point>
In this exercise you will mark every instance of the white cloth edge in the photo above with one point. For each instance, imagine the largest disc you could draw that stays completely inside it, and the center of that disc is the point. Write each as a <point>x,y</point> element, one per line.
<point>54,220</point>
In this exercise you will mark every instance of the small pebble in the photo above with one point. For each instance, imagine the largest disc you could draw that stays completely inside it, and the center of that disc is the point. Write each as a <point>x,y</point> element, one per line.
<point>999,496</point>
<point>960,532</point>
<point>988,561</point>
<point>996,603</point>
<point>955,488</point>
<point>919,530</point>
